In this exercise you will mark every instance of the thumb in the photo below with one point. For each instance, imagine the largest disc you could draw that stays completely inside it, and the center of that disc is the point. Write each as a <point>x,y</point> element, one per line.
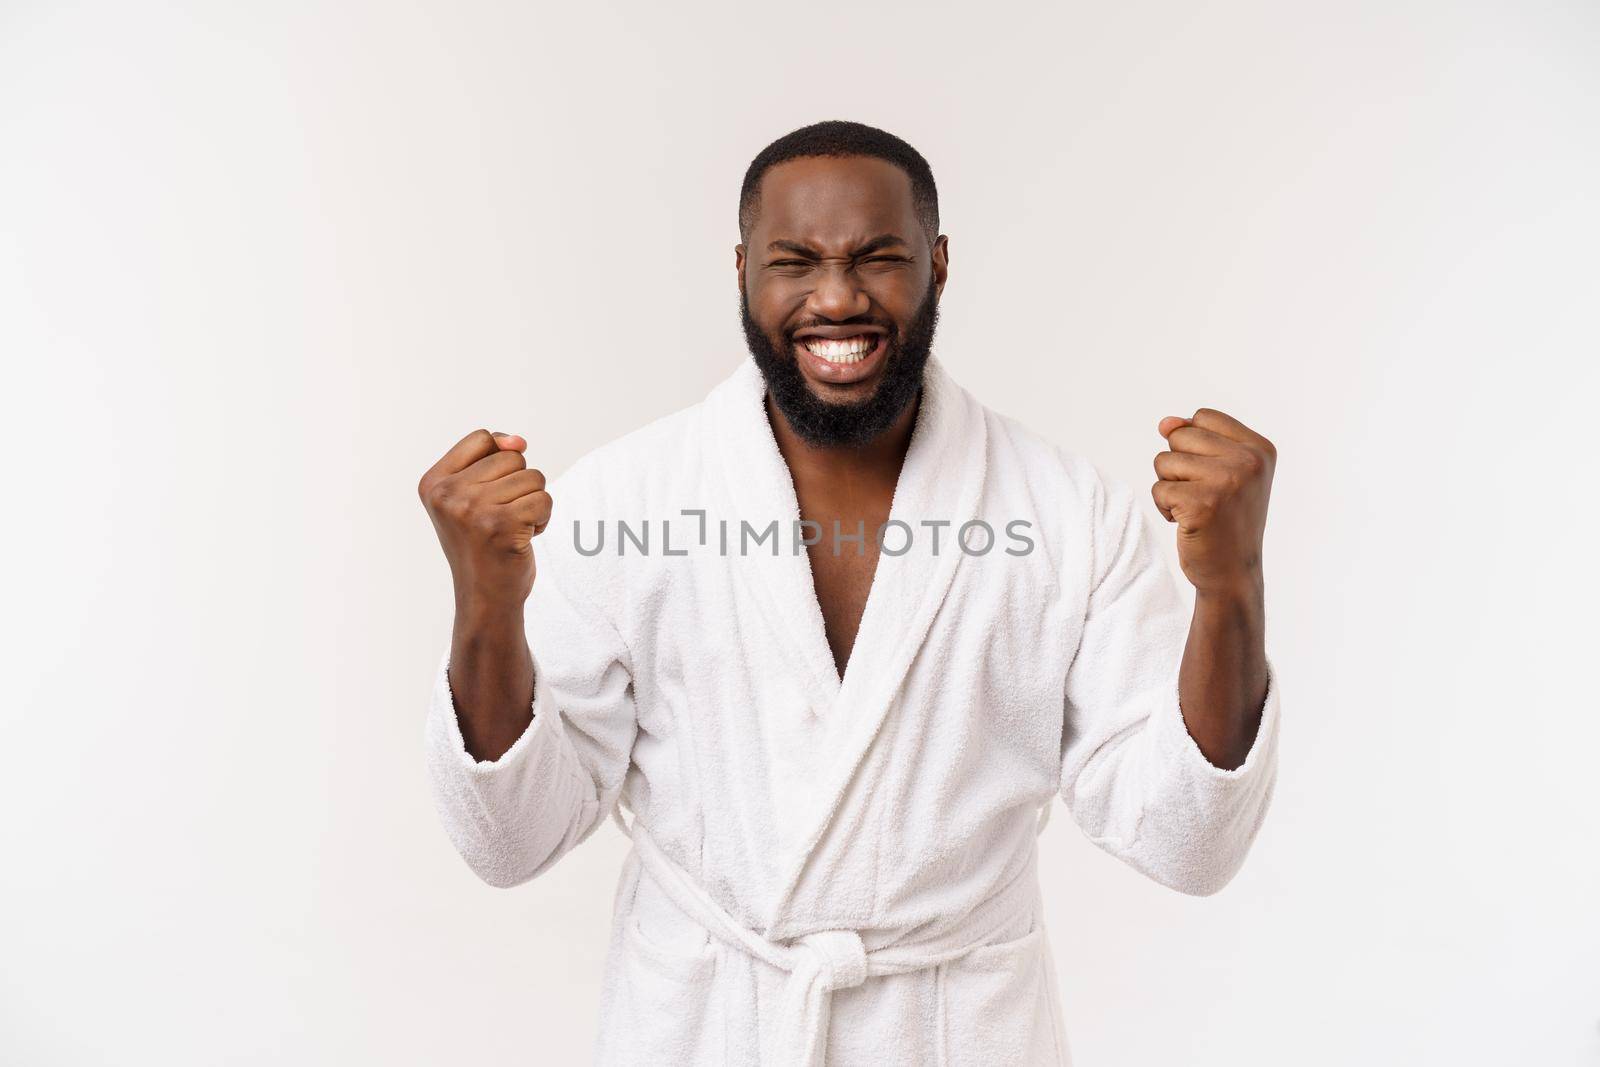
<point>510,442</point>
<point>1170,423</point>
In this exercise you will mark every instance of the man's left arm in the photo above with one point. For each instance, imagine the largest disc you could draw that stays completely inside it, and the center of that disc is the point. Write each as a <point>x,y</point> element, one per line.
<point>1214,484</point>
<point>1169,752</point>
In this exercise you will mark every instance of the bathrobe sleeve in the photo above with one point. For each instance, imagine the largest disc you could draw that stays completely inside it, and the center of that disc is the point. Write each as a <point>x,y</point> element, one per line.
<point>514,817</point>
<point>1133,777</point>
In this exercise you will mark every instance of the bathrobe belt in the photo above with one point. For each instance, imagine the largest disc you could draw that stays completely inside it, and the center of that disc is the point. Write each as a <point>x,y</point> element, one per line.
<point>821,962</point>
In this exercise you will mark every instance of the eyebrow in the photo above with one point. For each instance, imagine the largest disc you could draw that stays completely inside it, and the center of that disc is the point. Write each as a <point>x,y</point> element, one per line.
<point>876,244</point>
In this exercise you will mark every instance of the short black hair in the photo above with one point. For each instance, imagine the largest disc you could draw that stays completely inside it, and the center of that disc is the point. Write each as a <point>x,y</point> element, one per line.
<point>836,138</point>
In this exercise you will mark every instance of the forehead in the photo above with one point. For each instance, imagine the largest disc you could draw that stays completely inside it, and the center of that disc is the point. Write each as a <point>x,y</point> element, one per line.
<point>824,200</point>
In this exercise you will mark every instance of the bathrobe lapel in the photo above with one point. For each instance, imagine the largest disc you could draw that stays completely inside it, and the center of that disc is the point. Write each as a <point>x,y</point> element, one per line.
<point>941,481</point>
<point>759,489</point>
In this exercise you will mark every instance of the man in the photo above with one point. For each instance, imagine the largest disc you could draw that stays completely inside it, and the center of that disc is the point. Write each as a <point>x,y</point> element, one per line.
<point>836,759</point>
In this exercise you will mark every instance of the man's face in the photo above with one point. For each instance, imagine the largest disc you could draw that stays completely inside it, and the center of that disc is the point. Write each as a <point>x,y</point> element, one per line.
<point>839,292</point>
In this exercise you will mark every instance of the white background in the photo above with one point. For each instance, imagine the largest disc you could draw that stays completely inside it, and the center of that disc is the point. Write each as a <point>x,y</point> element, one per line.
<point>260,264</point>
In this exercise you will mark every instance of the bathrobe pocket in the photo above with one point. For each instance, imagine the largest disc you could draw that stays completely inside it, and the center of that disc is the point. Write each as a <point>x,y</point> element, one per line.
<point>999,1006</point>
<point>664,1004</point>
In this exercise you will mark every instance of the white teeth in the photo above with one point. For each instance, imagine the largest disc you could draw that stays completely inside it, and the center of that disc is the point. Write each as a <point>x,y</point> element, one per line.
<point>843,351</point>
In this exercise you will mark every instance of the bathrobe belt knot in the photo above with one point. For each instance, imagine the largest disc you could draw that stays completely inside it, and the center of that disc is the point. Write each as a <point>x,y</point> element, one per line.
<point>820,963</point>
<point>838,957</point>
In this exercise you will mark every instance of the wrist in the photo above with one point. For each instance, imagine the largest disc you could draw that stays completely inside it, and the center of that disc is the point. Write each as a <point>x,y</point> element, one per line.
<point>1245,590</point>
<point>477,612</point>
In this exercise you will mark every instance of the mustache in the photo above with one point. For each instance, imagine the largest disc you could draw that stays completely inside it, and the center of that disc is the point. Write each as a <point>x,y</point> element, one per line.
<point>887,325</point>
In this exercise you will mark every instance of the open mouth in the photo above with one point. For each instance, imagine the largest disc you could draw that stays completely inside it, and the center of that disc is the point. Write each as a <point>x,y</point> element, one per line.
<point>843,359</point>
<point>844,351</point>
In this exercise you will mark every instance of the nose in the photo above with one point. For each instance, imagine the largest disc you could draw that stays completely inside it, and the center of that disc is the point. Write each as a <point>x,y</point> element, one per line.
<point>837,296</point>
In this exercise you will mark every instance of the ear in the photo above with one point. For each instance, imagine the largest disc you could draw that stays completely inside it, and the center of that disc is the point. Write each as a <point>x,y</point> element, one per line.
<point>738,263</point>
<point>941,262</point>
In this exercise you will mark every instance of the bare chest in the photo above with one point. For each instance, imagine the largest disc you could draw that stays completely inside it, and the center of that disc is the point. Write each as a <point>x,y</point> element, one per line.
<point>842,570</point>
<point>843,583</point>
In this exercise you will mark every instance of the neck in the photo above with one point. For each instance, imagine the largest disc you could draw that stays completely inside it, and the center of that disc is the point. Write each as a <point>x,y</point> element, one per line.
<point>873,467</point>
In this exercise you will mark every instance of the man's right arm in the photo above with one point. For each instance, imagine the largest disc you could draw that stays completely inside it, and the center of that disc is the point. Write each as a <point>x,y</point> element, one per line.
<point>531,725</point>
<point>487,506</point>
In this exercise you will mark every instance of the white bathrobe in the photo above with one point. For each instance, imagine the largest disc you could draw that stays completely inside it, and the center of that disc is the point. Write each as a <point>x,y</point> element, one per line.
<point>844,871</point>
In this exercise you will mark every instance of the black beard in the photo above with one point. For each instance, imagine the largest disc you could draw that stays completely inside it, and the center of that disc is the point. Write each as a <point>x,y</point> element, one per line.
<point>823,424</point>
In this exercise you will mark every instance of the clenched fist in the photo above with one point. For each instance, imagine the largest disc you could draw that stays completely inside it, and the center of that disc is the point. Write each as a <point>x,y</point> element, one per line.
<point>1214,483</point>
<point>487,506</point>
